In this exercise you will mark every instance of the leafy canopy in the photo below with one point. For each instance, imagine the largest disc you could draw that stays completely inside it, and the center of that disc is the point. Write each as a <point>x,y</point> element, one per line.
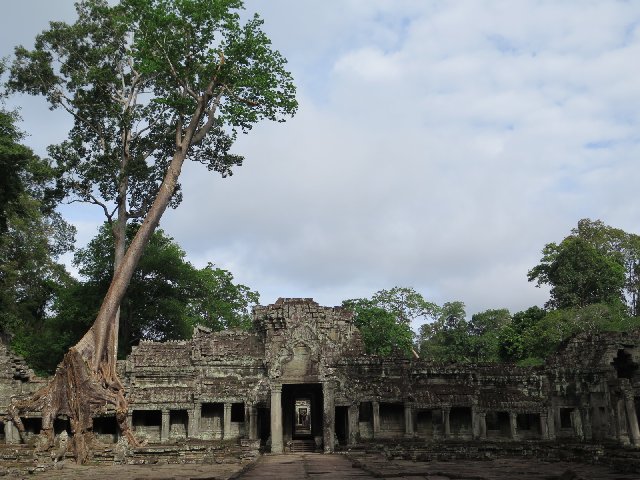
<point>134,75</point>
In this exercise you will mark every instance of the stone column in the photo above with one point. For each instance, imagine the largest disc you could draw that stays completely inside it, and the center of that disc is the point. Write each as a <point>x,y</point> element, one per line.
<point>475,425</point>
<point>253,422</point>
<point>354,426</point>
<point>194,421</point>
<point>375,417</point>
<point>329,416</point>
<point>586,422</point>
<point>482,425</point>
<point>446,414</point>
<point>164,432</point>
<point>513,425</point>
<point>544,426</point>
<point>632,417</point>
<point>621,422</point>
<point>226,427</point>
<point>408,419</point>
<point>11,434</point>
<point>551,423</point>
<point>130,420</point>
<point>276,419</point>
<point>576,422</point>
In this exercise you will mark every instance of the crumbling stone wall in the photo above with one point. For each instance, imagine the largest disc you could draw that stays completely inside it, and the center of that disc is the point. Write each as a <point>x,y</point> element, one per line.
<point>243,385</point>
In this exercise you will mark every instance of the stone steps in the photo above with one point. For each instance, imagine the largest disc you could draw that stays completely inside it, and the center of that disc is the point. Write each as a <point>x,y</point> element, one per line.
<point>303,446</point>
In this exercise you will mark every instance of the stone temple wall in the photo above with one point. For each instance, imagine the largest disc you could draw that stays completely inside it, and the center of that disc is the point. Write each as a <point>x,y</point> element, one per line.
<point>301,380</point>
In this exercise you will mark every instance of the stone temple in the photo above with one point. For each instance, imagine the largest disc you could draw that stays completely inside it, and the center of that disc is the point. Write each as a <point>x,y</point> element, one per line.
<point>302,382</point>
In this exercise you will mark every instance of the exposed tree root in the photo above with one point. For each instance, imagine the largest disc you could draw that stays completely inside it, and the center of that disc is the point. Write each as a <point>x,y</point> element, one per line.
<point>77,392</point>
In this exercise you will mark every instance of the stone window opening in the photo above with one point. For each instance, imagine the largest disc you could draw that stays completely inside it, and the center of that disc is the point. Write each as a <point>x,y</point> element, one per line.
<point>565,418</point>
<point>32,425</point>
<point>211,418</point>
<point>366,412</point>
<point>498,424</point>
<point>178,423</point>
<point>149,422</point>
<point>460,419</point>
<point>106,428</point>
<point>624,364</point>
<point>237,412</point>
<point>60,425</point>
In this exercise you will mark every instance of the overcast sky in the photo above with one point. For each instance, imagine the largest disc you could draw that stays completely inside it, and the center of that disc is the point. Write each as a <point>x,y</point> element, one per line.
<point>438,145</point>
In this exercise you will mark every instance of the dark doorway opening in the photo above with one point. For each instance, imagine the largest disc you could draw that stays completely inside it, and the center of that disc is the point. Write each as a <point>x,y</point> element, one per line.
<point>264,424</point>
<point>342,425</point>
<point>302,414</point>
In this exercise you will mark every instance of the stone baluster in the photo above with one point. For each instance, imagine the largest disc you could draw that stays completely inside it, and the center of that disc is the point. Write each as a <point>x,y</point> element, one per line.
<point>482,425</point>
<point>446,413</point>
<point>375,418</point>
<point>226,425</point>
<point>408,419</point>
<point>513,425</point>
<point>164,431</point>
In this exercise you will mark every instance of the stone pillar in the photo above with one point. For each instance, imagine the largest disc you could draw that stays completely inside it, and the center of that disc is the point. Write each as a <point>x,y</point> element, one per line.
<point>194,421</point>
<point>375,417</point>
<point>586,422</point>
<point>276,419</point>
<point>11,434</point>
<point>130,420</point>
<point>408,419</point>
<point>329,416</point>
<point>354,426</point>
<point>544,426</point>
<point>446,414</point>
<point>164,432</point>
<point>226,427</point>
<point>576,422</point>
<point>632,417</point>
<point>253,422</point>
<point>513,425</point>
<point>621,422</point>
<point>551,424</point>
<point>482,425</point>
<point>475,425</point>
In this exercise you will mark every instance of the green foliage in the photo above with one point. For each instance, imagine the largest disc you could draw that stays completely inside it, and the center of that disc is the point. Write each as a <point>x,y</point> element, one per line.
<point>405,304</point>
<point>514,338</point>
<point>167,295</point>
<point>581,271</point>
<point>381,332</point>
<point>133,74</point>
<point>447,338</point>
<point>32,236</point>
<point>385,319</point>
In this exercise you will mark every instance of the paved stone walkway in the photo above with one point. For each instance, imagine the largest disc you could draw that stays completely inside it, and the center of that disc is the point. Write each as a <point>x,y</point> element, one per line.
<point>305,465</point>
<point>336,467</point>
<point>339,467</point>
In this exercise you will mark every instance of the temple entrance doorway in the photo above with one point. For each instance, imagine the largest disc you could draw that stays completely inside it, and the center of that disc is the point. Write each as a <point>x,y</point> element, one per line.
<point>302,416</point>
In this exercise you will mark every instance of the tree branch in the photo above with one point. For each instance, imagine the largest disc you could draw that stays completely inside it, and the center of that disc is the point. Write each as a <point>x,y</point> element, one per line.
<point>180,81</point>
<point>202,131</point>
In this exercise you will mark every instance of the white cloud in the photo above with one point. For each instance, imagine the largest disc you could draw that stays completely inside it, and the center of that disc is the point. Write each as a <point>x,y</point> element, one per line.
<point>438,145</point>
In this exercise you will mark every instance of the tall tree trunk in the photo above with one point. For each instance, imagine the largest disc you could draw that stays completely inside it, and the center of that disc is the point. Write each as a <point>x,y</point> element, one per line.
<point>86,383</point>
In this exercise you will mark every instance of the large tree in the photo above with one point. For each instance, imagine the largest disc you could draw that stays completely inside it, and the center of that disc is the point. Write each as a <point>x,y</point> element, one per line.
<point>32,234</point>
<point>385,318</point>
<point>149,83</point>
<point>166,298</point>
<point>579,274</point>
<point>620,246</point>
